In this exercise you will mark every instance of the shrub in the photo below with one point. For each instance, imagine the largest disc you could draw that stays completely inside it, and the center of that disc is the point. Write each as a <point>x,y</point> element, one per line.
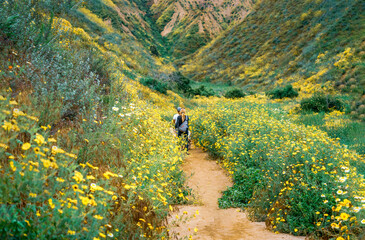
<point>154,84</point>
<point>181,82</point>
<point>202,91</point>
<point>245,182</point>
<point>321,103</point>
<point>154,51</point>
<point>234,93</point>
<point>283,92</point>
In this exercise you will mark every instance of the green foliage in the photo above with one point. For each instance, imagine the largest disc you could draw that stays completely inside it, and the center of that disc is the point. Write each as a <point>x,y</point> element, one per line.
<point>245,182</point>
<point>165,18</point>
<point>181,82</point>
<point>202,91</point>
<point>154,84</point>
<point>350,133</point>
<point>290,170</point>
<point>188,43</point>
<point>154,51</point>
<point>300,42</point>
<point>234,93</point>
<point>321,103</point>
<point>73,84</point>
<point>283,92</point>
<point>46,191</point>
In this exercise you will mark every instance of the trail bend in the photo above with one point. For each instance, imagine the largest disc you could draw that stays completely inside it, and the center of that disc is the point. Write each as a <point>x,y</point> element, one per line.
<point>207,180</point>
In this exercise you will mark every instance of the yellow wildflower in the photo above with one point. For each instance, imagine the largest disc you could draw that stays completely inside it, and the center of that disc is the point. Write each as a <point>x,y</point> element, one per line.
<point>25,146</point>
<point>108,174</point>
<point>60,179</point>
<point>98,217</point>
<point>52,140</point>
<point>344,216</point>
<point>39,139</point>
<point>78,177</point>
<point>33,195</point>
<point>4,146</point>
<point>90,177</point>
<point>12,166</point>
<point>50,202</point>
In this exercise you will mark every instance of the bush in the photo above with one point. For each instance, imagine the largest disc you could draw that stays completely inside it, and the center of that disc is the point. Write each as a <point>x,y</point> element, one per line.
<point>154,84</point>
<point>283,92</point>
<point>321,103</point>
<point>202,91</point>
<point>234,93</point>
<point>181,82</point>
<point>245,181</point>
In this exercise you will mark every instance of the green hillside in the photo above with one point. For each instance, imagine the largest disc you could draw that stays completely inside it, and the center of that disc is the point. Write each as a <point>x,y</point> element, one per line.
<point>189,24</point>
<point>76,156</point>
<point>312,44</point>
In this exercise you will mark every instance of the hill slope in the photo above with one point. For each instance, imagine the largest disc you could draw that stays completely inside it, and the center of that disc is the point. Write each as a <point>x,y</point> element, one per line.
<point>190,24</point>
<point>311,43</point>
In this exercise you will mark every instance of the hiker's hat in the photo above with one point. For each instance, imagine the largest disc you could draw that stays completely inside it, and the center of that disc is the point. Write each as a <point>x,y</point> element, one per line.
<point>178,109</point>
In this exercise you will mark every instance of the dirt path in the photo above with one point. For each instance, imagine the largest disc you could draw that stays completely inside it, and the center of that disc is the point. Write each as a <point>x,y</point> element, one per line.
<point>207,182</point>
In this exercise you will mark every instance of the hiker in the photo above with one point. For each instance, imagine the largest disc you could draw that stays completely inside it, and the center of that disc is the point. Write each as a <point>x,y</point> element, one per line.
<point>182,126</point>
<point>176,115</point>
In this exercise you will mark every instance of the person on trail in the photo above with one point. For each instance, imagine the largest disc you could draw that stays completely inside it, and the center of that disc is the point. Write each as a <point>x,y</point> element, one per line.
<point>182,126</point>
<point>176,115</point>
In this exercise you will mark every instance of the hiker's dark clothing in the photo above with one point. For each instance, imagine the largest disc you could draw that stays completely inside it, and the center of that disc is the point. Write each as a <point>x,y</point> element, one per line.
<point>183,134</point>
<point>179,122</point>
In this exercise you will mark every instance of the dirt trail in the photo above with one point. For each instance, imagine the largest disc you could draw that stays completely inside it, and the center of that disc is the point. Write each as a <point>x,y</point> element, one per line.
<point>207,182</point>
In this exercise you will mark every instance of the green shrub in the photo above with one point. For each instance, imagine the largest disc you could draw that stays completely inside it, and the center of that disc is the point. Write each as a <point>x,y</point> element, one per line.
<point>321,103</point>
<point>283,92</point>
<point>245,181</point>
<point>181,82</point>
<point>154,51</point>
<point>202,91</point>
<point>154,84</point>
<point>234,93</point>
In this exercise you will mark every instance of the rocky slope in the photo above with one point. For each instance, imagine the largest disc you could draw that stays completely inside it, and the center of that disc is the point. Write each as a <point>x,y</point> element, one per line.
<point>190,24</point>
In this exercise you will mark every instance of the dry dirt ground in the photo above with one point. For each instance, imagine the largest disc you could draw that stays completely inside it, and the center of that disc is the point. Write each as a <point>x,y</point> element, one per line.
<point>207,181</point>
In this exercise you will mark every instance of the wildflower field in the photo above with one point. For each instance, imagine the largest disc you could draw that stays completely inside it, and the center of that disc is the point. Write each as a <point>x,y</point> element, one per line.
<point>84,152</point>
<point>295,177</point>
<point>87,94</point>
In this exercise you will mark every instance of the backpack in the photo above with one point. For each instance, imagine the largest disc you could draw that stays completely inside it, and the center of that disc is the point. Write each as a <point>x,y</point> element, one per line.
<point>184,126</point>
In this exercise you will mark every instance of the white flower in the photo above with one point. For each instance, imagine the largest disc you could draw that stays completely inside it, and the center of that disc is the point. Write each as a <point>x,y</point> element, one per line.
<point>323,195</point>
<point>339,192</point>
<point>363,221</point>
<point>121,115</point>
<point>110,235</point>
<point>325,201</point>
<point>342,179</point>
<point>116,109</point>
<point>356,209</point>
